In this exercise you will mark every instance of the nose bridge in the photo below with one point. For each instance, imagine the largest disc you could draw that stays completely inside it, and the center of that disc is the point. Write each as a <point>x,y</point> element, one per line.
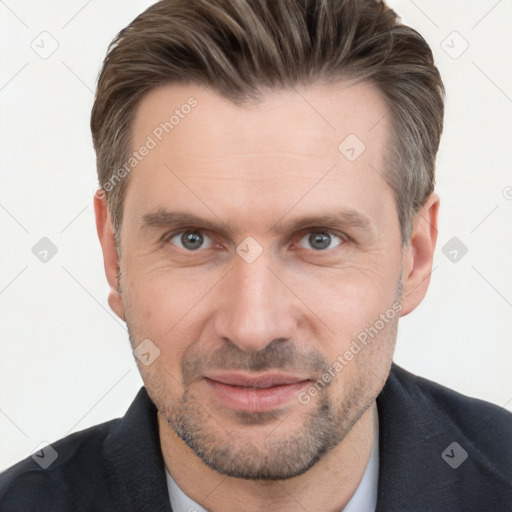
<point>255,308</point>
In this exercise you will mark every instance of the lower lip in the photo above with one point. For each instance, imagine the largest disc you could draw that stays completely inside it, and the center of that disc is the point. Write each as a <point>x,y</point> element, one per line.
<point>255,399</point>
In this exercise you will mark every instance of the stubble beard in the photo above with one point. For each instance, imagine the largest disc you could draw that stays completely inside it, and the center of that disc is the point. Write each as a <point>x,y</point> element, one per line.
<point>279,455</point>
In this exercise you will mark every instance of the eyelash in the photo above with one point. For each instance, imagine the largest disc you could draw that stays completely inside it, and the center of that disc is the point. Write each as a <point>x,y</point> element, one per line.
<point>342,236</point>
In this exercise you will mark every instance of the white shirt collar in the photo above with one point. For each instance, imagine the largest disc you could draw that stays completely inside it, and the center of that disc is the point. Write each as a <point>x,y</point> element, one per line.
<point>365,497</point>
<point>363,500</point>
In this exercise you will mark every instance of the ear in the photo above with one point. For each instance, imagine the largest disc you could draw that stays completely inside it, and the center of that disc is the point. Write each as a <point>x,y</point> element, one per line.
<point>419,254</point>
<point>111,262</point>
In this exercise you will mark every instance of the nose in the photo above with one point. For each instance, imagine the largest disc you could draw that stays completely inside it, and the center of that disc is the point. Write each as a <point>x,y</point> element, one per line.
<point>255,307</point>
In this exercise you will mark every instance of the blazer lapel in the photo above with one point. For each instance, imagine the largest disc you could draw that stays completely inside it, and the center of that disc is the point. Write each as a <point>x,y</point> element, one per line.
<point>423,466</point>
<point>133,451</point>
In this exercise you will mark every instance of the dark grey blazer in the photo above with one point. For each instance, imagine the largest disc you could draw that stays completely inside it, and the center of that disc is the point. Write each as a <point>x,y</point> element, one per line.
<point>439,452</point>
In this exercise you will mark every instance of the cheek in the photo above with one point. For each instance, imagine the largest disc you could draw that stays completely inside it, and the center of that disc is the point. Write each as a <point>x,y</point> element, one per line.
<point>163,299</point>
<point>358,344</point>
<point>170,310</point>
<point>349,300</point>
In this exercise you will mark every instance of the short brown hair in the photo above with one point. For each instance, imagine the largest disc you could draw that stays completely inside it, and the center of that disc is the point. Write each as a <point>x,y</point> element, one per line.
<point>241,47</point>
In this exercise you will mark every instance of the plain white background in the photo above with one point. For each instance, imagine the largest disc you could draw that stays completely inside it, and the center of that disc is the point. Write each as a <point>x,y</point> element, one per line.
<point>65,360</point>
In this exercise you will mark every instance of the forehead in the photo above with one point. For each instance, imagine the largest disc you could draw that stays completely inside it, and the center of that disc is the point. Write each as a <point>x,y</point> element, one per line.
<point>299,118</point>
<point>322,145</point>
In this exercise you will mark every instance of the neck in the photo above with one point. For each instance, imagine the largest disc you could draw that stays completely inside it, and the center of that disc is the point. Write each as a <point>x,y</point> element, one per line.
<point>328,485</point>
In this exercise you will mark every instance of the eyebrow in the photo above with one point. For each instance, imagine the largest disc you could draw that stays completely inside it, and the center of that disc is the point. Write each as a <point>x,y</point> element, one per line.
<point>345,219</point>
<point>163,218</point>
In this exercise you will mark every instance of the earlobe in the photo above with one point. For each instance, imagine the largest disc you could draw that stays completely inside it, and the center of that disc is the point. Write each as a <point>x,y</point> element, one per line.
<point>111,261</point>
<point>418,256</point>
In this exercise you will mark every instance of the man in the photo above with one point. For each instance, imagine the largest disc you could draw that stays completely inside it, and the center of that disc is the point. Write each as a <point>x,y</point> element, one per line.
<point>267,213</point>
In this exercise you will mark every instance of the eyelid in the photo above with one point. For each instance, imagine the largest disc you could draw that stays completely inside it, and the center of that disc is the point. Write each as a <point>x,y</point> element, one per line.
<point>167,237</point>
<point>329,231</point>
<point>182,229</point>
<point>344,238</point>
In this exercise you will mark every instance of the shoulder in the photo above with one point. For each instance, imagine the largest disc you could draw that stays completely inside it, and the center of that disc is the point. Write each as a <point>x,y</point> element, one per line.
<point>471,413</point>
<point>441,450</point>
<point>66,470</point>
<point>486,427</point>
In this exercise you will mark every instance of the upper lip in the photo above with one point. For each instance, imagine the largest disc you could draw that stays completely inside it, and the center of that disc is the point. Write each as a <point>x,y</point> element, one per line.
<point>265,380</point>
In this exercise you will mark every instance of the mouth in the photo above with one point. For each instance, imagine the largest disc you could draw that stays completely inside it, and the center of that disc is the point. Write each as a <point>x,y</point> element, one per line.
<point>255,393</point>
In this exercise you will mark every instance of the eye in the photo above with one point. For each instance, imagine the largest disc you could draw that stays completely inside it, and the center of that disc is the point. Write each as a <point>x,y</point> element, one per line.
<point>320,240</point>
<point>191,240</point>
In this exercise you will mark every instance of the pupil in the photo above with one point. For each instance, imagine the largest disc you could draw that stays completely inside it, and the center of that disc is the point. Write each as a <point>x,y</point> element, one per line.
<point>192,241</point>
<point>319,240</point>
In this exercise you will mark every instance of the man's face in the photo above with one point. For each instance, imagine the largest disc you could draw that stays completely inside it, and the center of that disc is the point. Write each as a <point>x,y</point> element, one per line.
<point>255,250</point>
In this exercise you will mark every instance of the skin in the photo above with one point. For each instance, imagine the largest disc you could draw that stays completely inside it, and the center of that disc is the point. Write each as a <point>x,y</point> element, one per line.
<point>258,169</point>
